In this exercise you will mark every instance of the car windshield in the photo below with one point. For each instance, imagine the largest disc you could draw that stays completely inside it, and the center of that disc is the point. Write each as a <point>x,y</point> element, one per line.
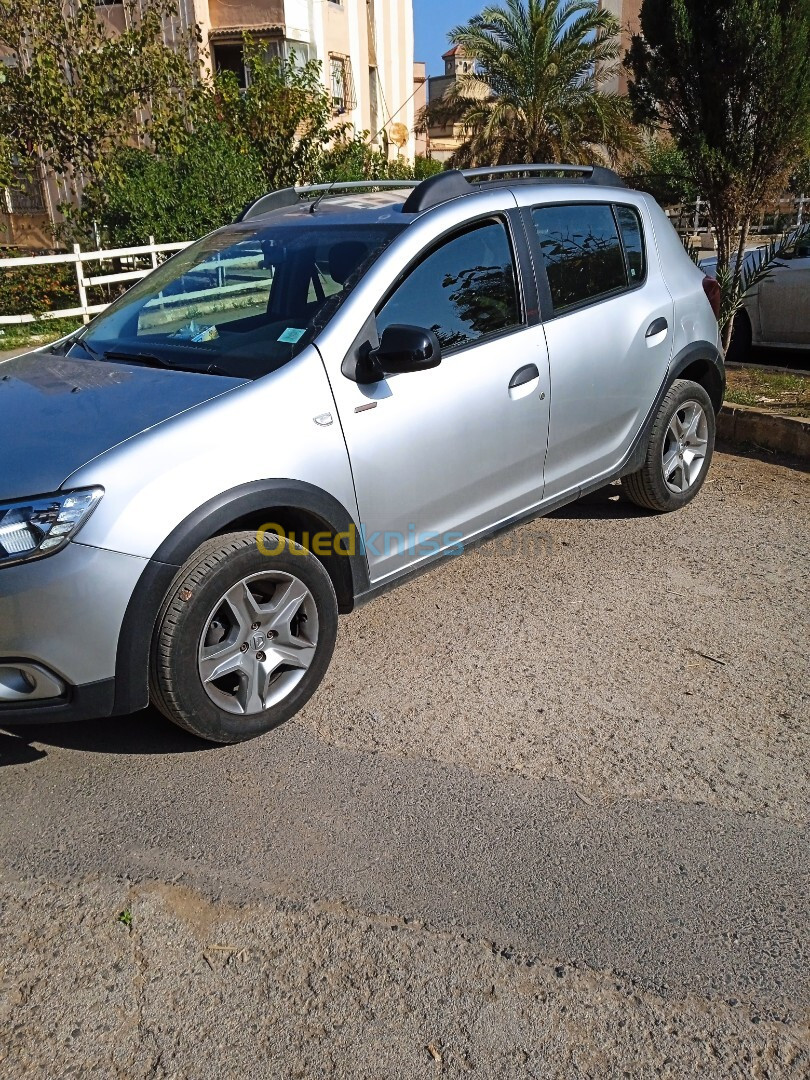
<point>241,302</point>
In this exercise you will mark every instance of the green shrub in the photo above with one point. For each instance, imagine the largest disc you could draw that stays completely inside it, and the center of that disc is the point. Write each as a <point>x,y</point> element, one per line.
<point>665,174</point>
<point>177,197</point>
<point>353,159</point>
<point>424,167</point>
<point>37,288</point>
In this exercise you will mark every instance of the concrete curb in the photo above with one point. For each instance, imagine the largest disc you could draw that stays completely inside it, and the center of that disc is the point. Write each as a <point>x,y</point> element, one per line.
<point>742,425</point>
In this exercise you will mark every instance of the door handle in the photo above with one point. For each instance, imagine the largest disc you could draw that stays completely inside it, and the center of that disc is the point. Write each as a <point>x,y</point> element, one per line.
<point>524,375</point>
<point>658,326</point>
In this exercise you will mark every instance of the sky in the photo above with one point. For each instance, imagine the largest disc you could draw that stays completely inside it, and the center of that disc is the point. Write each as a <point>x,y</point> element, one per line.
<point>432,19</point>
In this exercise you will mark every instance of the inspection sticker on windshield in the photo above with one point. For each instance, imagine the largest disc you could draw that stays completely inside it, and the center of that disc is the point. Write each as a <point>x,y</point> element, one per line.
<point>291,335</point>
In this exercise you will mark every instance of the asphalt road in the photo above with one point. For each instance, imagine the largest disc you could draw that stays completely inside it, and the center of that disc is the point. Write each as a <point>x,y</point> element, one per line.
<point>546,817</point>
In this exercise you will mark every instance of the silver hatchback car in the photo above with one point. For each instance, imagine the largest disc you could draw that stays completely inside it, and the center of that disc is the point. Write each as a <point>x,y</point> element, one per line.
<point>306,407</point>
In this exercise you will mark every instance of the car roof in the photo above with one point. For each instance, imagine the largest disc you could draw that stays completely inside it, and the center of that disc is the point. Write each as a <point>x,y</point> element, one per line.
<point>368,208</point>
<point>366,203</point>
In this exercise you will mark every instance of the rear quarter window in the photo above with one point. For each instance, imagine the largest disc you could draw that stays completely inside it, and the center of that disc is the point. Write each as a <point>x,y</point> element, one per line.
<point>633,240</point>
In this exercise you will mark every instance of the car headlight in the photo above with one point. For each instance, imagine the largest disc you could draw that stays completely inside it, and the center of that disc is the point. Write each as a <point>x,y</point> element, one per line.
<point>33,528</point>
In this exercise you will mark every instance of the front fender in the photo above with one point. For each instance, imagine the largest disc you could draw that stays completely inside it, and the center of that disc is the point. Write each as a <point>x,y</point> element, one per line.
<point>263,498</point>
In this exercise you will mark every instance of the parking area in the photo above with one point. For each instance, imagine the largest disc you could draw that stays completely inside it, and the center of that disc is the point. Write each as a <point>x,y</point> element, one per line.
<point>546,817</point>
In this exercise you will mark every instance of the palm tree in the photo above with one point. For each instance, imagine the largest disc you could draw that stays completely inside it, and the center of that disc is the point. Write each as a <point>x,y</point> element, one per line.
<point>534,93</point>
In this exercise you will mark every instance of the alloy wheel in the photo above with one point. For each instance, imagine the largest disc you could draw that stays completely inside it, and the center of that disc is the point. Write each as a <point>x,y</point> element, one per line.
<point>258,642</point>
<point>683,454</point>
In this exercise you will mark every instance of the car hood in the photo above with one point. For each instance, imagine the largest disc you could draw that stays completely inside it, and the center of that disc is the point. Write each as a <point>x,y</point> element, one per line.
<point>57,413</point>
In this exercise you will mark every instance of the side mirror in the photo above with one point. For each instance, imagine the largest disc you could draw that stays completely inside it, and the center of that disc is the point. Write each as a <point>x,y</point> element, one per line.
<point>406,348</point>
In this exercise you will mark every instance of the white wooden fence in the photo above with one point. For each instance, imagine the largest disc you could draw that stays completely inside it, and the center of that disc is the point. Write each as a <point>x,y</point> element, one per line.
<point>693,217</point>
<point>83,283</point>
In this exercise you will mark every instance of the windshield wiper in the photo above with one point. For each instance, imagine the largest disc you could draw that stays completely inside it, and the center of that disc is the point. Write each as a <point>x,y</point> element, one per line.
<point>150,360</point>
<point>62,348</point>
<point>88,347</point>
<point>147,359</point>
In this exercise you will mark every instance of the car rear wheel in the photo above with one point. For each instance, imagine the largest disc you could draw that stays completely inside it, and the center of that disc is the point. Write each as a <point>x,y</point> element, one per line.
<point>243,638</point>
<point>679,451</point>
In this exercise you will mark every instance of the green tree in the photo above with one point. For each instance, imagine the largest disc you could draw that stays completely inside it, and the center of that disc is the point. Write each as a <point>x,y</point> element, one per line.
<point>352,158</point>
<point>8,160</point>
<point>173,196</point>
<point>800,180</point>
<point>731,81</point>
<point>664,172</point>
<point>282,116</point>
<point>537,89</point>
<point>77,91</point>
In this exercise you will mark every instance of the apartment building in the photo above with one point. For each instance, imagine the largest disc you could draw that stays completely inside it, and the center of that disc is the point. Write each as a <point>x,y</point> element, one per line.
<point>628,12</point>
<point>365,48</point>
<point>366,52</point>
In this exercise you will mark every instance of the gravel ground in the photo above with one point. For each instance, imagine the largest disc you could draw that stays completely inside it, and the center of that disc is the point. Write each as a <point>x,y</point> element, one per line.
<point>193,989</point>
<point>653,657</point>
<point>546,818</point>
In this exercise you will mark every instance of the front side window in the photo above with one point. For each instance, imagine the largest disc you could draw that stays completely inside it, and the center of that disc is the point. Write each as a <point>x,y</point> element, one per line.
<point>464,290</point>
<point>582,252</point>
<point>243,300</point>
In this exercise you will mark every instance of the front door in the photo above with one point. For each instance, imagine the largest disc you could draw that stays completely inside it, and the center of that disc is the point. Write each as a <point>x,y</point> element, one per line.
<point>442,454</point>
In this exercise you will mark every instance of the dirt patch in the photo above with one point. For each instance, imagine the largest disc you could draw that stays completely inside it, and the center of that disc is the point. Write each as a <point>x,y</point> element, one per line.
<point>778,392</point>
<point>296,992</point>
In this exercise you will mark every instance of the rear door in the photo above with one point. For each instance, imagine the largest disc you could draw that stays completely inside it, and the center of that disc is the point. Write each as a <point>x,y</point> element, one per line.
<point>609,326</point>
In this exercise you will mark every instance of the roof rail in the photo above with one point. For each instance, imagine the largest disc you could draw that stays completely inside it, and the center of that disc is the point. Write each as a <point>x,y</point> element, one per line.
<point>291,196</point>
<point>437,189</point>
<point>453,183</point>
<point>350,185</point>
<point>589,174</point>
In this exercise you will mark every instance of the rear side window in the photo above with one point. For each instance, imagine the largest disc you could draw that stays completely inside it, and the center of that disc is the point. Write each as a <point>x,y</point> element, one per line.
<point>632,237</point>
<point>582,252</point>
<point>464,290</point>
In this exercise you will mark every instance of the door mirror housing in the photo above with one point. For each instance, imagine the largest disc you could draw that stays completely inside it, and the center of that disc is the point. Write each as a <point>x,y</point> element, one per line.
<point>406,348</point>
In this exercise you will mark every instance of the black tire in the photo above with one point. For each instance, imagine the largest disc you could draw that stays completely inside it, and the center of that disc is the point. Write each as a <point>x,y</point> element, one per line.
<point>191,603</point>
<point>739,349</point>
<point>648,488</point>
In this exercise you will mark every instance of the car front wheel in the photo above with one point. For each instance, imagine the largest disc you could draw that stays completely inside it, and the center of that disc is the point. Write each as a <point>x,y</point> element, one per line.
<point>679,450</point>
<point>243,638</point>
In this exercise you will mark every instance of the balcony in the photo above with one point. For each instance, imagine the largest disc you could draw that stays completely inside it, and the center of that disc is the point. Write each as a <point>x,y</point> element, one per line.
<point>235,16</point>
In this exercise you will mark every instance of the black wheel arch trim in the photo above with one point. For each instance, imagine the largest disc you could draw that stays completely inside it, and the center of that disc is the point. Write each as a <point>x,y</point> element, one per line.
<point>698,350</point>
<point>214,516</point>
<point>693,353</point>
